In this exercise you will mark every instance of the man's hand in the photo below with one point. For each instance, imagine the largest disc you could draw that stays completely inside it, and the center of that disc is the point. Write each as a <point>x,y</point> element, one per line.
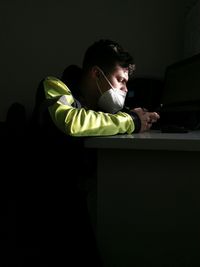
<point>147,118</point>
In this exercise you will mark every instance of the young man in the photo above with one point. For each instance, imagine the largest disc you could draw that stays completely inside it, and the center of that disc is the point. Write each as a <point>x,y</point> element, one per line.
<point>90,102</point>
<point>87,101</point>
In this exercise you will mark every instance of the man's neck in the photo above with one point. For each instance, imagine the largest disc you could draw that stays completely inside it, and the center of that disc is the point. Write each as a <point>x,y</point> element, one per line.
<point>88,94</point>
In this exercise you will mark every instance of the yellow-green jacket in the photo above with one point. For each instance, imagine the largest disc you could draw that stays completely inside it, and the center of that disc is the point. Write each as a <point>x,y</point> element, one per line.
<point>79,121</point>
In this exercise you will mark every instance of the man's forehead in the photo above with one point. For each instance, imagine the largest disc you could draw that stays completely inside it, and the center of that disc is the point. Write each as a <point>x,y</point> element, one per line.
<point>119,69</point>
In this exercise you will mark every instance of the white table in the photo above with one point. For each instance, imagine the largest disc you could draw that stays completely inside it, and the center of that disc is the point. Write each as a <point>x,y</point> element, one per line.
<point>148,199</point>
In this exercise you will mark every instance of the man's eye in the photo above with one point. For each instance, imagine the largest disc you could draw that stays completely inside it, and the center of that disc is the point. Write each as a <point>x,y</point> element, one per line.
<point>123,81</point>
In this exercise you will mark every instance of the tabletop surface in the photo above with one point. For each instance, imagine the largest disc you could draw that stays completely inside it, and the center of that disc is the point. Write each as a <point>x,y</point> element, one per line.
<point>153,140</point>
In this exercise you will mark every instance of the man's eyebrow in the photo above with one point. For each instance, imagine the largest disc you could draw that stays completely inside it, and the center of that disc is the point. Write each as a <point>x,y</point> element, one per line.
<point>123,77</point>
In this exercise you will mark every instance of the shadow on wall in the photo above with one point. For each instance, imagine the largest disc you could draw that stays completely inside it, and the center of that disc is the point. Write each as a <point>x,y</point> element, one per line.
<point>16,121</point>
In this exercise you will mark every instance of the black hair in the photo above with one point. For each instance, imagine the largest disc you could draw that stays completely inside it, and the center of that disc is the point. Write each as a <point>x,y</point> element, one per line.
<point>106,54</point>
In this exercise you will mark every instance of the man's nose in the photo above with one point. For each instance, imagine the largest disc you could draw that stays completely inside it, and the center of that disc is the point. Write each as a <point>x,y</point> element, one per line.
<point>124,88</point>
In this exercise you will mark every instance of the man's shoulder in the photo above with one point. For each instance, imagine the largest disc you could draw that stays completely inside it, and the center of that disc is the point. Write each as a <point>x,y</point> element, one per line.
<point>53,81</point>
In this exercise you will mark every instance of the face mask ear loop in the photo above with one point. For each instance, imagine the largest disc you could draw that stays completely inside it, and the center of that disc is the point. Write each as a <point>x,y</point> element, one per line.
<point>99,87</point>
<point>105,77</point>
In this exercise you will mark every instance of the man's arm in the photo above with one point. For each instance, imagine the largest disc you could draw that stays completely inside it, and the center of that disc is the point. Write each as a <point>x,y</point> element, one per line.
<point>79,121</point>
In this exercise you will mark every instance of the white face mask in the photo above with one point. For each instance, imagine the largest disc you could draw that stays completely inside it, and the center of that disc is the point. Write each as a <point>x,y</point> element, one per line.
<point>113,99</point>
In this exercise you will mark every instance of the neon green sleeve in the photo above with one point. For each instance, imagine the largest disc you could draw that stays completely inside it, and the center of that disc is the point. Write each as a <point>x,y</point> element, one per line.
<point>80,121</point>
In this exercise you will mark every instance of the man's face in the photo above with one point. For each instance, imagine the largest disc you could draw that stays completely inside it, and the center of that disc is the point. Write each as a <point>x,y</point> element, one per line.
<point>118,79</point>
<point>112,100</point>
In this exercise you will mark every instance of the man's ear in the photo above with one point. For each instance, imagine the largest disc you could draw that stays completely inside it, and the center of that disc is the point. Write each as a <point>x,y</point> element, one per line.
<point>95,71</point>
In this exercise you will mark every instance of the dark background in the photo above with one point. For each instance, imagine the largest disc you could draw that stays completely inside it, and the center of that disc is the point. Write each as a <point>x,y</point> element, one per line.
<point>40,38</point>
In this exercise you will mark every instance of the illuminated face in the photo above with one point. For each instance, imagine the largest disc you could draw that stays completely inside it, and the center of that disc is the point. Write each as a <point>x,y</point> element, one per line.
<point>119,78</point>
<point>112,89</point>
